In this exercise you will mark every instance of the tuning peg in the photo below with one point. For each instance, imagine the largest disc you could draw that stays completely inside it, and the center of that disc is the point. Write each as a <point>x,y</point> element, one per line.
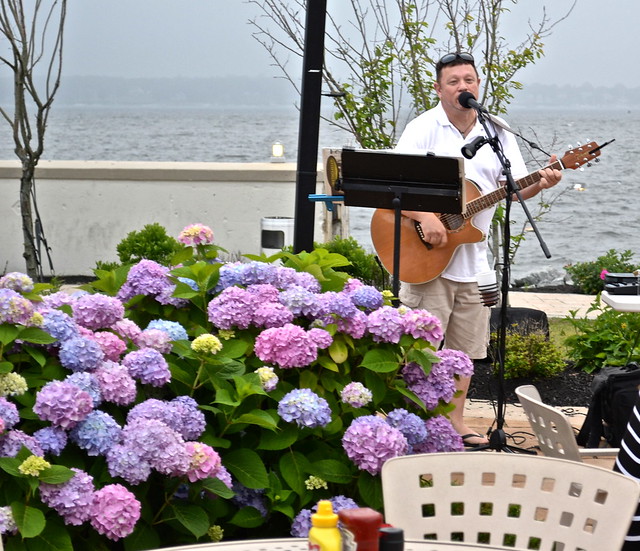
<point>596,160</point>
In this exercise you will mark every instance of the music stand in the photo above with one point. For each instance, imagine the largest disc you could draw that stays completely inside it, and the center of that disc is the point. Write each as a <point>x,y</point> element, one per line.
<point>400,181</point>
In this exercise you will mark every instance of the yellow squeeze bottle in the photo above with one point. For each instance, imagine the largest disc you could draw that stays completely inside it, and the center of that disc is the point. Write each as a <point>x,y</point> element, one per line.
<point>324,534</point>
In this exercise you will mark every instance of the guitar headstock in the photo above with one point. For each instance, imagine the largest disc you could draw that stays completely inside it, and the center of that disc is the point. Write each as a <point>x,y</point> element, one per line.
<point>575,158</point>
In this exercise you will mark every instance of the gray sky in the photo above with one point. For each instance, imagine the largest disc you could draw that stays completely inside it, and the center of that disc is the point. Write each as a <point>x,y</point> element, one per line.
<point>190,38</point>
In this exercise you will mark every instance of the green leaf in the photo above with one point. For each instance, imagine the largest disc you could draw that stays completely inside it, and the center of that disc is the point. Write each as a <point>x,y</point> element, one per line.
<point>54,536</point>
<point>294,466</point>
<point>56,474</point>
<point>36,335</point>
<point>259,418</point>
<point>143,537</point>
<point>328,363</point>
<point>192,517</point>
<point>247,517</point>
<point>380,360</point>
<point>217,487</point>
<point>36,354</point>
<point>331,471</point>
<point>279,440</point>
<point>6,367</point>
<point>10,465</point>
<point>8,333</point>
<point>370,488</point>
<point>29,520</point>
<point>338,351</point>
<point>247,466</point>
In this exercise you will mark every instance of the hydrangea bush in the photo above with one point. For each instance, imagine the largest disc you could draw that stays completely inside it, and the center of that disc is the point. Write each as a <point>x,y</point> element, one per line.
<point>164,405</point>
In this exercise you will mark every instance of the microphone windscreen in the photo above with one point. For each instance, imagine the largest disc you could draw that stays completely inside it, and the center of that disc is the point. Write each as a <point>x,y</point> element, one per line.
<point>464,99</point>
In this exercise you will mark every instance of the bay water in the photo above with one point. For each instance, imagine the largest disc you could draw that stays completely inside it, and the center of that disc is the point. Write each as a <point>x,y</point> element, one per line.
<point>593,209</point>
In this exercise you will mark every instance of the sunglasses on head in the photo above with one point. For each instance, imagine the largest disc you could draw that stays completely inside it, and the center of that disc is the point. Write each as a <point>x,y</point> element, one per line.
<point>450,58</point>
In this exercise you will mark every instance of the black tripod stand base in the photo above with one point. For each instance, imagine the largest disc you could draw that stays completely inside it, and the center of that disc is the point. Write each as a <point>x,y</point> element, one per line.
<point>498,442</point>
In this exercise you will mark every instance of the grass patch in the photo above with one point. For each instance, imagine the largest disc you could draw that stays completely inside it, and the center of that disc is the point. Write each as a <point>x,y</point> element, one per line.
<point>559,330</point>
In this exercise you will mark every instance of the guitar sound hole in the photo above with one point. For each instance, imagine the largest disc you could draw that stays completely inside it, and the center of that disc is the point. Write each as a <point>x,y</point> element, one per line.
<point>452,222</point>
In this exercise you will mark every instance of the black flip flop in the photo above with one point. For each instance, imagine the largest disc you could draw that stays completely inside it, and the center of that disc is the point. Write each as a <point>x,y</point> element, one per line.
<point>471,444</point>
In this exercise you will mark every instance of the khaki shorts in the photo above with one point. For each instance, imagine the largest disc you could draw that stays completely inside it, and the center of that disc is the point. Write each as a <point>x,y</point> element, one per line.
<point>465,321</point>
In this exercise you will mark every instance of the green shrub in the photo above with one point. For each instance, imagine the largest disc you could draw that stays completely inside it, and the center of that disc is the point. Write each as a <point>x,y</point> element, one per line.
<point>613,338</point>
<point>364,266</point>
<point>531,355</point>
<point>151,243</point>
<point>587,276</point>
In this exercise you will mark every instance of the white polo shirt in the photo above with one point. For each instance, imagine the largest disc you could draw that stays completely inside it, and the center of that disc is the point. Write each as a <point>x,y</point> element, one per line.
<point>432,132</point>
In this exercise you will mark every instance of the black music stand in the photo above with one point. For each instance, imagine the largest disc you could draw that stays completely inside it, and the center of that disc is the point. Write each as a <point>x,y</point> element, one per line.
<point>399,181</point>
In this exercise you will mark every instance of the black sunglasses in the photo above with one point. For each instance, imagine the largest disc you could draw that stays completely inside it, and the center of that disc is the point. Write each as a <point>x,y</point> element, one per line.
<point>450,58</point>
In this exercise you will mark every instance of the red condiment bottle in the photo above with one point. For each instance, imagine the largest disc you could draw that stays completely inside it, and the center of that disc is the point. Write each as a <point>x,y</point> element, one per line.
<point>360,529</point>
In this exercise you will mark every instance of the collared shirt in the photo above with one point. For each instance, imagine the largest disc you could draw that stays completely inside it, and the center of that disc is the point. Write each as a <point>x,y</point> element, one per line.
<point>432,132</point>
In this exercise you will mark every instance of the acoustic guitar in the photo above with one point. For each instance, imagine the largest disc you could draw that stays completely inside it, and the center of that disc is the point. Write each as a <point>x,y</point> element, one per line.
<point>420,262</point>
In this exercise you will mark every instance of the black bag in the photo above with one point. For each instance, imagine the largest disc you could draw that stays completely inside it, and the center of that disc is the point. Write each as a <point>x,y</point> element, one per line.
<point>614,393</point>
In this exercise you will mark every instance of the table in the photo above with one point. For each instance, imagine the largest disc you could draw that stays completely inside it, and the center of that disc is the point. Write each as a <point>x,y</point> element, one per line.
<point>301,544</point>
<point>622,303</point>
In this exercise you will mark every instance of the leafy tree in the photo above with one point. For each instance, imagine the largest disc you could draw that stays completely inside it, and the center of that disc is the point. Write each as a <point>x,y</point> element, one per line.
<point>379,65</point>
<point>32,50</point>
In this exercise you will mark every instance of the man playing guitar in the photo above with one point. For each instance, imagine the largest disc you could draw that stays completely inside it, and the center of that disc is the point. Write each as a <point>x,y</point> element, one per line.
<point>452,295</point>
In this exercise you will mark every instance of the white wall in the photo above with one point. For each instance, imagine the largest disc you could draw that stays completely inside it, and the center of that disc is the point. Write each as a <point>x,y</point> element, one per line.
<point>88,207</point>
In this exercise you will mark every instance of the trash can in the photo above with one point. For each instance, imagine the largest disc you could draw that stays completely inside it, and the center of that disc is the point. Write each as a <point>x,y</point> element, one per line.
<point>277,232</point>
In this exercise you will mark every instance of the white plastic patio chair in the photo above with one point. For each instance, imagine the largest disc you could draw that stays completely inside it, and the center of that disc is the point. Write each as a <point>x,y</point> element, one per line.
<point>555,434</point>
<point>514,500</point>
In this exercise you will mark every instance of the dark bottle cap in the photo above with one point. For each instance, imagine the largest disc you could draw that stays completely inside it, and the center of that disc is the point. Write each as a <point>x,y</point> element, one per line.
<point>391,539</point>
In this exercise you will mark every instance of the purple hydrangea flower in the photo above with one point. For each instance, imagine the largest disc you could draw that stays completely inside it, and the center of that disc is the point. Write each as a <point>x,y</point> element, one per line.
<point>96,434</point>
<point>71,499</point>
<point>248,497</point>
<point>114,511</point>
<point>356,395</point>
<point>268,378</point>
<point>421,324</point>
<point>233,307</point>
<point>125,461</point>
<point>81,354</point>
<point>369,441</point>
<point>148,366</point>
<point>116,384</point>
<point>302,522</point>
<point>458,363</point>
<point>17,281</point>
<point>62,404</point>
<point>225,476</point>
<point>441,437</point>
<point>354,326</point>
<point>59,325</point>
<point>271,314</point>
<point>385,325</point>
<point>305,408</point>
<point>8,413</point>
<point>182,414</point>
<point>14,308</point>
<point>151,279</point>
<point>87,382</point>
<point>367,297</point>
<point>97,311</point>
<point>111,345</point>
<point>56,300</point>
<point>12,441</point>
<point>127,329</point>
<point>300,301</point>
<point>409,424</point>
<point>175,330</point>
<point>51,439</point>
<point>287,346</point>
<point>438,385</point>
<point>7,522</point>
<point>321,337</point>
<point>158,444</point>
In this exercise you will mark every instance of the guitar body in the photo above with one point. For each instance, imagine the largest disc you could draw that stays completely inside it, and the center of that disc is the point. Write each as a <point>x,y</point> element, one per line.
<point>419,264</point>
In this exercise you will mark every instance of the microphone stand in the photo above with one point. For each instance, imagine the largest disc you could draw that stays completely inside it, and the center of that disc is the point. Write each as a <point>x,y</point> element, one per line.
<point>497,437</point>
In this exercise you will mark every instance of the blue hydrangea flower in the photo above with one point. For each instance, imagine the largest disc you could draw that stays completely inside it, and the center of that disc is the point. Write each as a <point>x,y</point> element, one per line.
<point>59,325</point>
<point>148,366</point>
<point>97,433</point>
<point>51,439</point>
<point>81,354</point>
<point>305,408</point>
<point>8,413</point>
<point>176,331</point>
<point>409,424</point>
<point>367,297</point>
<point>87,382</point>
<point>441,437</point>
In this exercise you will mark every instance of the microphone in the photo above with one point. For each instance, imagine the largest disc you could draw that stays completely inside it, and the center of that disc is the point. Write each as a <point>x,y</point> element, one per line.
<point>466,99</point>
<point>470,149</point>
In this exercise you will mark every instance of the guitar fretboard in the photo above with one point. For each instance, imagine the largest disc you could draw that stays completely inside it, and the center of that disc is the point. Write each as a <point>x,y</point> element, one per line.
<point>485,201</point>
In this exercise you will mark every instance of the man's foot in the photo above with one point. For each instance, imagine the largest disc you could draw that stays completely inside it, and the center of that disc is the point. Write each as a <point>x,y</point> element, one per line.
<point>474,440</point>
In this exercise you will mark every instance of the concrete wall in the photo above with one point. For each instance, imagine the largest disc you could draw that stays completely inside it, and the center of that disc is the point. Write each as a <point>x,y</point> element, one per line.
<point>88,207</point>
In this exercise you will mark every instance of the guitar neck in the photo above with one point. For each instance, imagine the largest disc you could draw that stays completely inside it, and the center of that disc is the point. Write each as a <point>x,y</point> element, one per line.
<point>486,201</point>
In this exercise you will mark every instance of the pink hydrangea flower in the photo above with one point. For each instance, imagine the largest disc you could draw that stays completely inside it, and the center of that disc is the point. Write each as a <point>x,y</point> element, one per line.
<point>112,345</point>
<point>114,511</point>
<point>204,461</point>
<point>287,346</point>
<point>63,404</point>
<point>97,311</point>
<point>196,234</point>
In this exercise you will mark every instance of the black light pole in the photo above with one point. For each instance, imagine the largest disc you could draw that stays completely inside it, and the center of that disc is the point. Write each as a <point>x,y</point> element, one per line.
<point>309,128</point>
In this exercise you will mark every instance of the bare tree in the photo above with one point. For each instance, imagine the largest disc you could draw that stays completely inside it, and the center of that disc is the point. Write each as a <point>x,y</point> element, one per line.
<point>33,39</point>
